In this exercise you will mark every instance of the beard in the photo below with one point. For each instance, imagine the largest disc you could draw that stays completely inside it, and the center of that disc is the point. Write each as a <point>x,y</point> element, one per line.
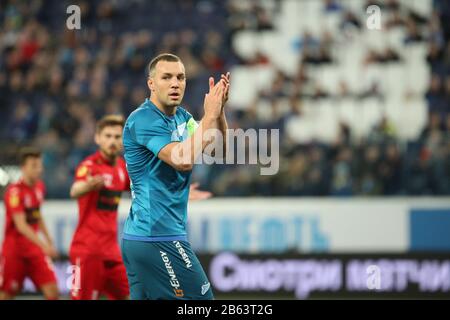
<point>111,153</point>
<point>170,102</point>
<point>173,103</point>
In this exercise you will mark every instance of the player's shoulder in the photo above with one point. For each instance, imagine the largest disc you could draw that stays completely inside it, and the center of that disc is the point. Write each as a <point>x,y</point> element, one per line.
<point>144,112</point>
<point>13,195</point>
<point>145,118</point>
<point>85,165</point>
<point>13,188</point>
<point>89,160</point>
<point>181,111</point>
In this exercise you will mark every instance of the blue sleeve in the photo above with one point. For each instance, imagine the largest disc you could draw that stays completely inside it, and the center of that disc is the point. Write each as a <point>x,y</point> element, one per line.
<point>154,135</point>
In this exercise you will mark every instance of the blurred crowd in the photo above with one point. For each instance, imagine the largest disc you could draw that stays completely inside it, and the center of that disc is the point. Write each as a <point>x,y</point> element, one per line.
<point>55,83</point>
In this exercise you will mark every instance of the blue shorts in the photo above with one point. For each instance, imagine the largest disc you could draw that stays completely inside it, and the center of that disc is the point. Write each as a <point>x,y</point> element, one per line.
<point>164,270</point>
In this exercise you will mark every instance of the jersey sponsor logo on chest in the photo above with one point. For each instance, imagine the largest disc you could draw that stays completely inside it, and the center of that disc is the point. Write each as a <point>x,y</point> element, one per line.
<point>39,195</point>
<point>108,179</point>
<point>181,128</point>
<point>30,198</point>
<point>28,201</point>
<point>180,134</point>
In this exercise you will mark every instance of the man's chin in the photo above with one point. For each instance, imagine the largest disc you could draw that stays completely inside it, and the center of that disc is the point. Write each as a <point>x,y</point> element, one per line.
<point>36,179</point>
<point>111,154</point>
<point>174,103</point>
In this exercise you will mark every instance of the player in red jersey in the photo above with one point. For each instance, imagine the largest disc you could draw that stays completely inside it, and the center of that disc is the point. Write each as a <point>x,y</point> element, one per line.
<point>24,252</point>
<point>99,181</point>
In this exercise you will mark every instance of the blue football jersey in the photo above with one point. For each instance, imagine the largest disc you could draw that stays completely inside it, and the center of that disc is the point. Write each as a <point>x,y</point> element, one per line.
<point>159,192</point>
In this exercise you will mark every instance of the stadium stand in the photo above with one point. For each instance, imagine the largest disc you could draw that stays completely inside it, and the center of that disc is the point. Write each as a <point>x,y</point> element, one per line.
<point>360,112</point>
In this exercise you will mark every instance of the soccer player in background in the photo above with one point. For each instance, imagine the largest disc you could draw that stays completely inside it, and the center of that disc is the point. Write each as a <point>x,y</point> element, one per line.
<point>160,153</point>
<point>99,182</point>
<point>25,253</point>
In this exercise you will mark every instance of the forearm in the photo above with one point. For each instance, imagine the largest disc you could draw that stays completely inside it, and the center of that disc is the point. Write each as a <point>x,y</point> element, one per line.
<point>189,150</point>
<point>79,189</point>
<point>45,232</point>
<point>182,155</point>
<point>29,233</point>
<point>223,127</point>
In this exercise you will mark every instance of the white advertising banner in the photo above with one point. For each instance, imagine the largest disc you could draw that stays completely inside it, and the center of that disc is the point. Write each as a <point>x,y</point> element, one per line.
<point>254,225</point>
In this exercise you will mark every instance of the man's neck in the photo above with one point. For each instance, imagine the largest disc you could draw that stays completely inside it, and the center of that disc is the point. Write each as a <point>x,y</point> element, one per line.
<point>29,182</point>
<point>111,160</point>
<point>170,111</point>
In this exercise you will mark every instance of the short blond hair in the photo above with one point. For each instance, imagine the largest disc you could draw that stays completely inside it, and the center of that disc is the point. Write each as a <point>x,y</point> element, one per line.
<point>110,121</point>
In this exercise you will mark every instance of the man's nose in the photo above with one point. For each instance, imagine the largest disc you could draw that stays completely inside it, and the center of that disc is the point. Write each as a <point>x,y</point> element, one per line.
<point>175,84</point>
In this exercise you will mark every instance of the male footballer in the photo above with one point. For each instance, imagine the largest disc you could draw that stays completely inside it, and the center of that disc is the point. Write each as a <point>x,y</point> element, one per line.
<point>25,253</point>
<point>161,142</point>
<point>99,182</point>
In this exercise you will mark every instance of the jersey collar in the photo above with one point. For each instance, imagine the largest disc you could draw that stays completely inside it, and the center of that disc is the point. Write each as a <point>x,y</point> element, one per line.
<point>103,160</point>
<point>21,182</point>
<point>152,105</point>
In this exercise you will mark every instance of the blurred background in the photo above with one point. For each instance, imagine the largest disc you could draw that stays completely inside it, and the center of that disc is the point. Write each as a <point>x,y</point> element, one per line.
<point>363,117</point>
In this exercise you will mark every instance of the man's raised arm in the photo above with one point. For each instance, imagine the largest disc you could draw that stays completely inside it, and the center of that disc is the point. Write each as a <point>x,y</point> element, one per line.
<point>182,155</point>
